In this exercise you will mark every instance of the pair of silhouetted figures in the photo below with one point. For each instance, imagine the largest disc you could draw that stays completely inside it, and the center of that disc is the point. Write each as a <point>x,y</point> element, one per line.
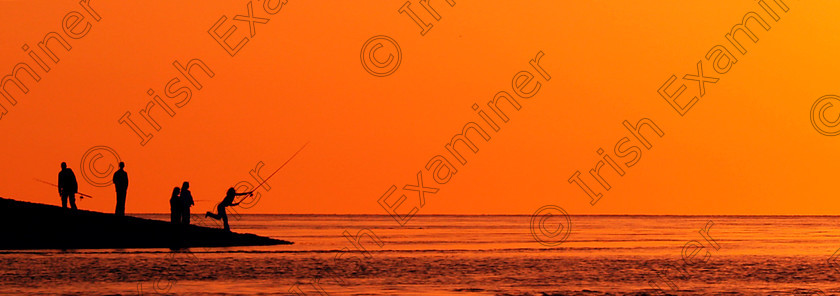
<point>180,204</point>
<point>182,200</point>
<point>68,187</point>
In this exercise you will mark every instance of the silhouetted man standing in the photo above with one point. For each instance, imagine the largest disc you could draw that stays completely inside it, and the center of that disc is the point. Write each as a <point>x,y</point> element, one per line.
<point>67,186</point>
<point>121,184</point>
<point>186,202</point>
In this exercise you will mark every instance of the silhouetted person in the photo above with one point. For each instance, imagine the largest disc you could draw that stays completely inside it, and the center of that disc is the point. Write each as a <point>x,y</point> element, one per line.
<point>67,186</point>
<point>186,202</point>
<point>121,184</point>
<point>227,202</point>
<point>175,204</point>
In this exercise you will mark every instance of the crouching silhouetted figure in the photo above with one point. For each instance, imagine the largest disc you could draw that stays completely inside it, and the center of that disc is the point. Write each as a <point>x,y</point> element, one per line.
<point>175,206</point>
<point>227,202</point>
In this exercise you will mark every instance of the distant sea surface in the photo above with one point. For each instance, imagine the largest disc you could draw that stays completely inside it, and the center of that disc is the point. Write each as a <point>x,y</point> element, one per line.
<point>466,255</point>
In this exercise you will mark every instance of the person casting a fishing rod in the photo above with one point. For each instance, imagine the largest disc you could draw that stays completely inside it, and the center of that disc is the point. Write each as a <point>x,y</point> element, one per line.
<point>231,194</point>
<point>227,202</point>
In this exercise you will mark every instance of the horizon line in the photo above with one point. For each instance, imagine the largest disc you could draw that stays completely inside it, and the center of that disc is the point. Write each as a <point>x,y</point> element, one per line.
<point>579,215</point>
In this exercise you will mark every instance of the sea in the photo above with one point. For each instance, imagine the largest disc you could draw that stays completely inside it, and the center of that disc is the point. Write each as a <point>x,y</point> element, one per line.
<point>459,255</point>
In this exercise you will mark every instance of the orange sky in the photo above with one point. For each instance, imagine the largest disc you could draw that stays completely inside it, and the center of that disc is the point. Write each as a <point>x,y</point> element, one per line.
<point>747,146</point>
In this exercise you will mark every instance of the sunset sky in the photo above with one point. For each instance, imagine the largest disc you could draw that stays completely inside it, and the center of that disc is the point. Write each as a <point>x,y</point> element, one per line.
<point>746,147</point>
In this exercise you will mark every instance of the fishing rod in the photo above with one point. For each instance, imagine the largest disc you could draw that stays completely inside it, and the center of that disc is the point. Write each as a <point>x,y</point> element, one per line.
<point>278,169</point>
<point>51,184</point>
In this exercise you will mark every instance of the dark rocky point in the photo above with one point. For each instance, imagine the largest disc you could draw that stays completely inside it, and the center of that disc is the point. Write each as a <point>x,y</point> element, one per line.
<point>38,226</point>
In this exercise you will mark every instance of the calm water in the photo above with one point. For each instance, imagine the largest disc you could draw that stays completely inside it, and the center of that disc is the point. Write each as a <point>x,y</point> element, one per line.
<point>471,255</point>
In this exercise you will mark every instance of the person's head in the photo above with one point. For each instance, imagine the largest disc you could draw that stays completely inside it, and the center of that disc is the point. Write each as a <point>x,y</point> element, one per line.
<point>185,186</point>
<point>122,165</point>
<point>176,191</point>
<point>63,165</point>
<point>231,191</point>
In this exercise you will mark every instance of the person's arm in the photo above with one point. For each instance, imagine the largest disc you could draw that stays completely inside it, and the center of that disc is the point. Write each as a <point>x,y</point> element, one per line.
<point>59,184</point>
<point>249,193</point>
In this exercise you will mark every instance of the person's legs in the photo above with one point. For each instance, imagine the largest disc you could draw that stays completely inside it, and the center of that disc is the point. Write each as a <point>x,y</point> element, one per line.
<point>186,217</point>
<point>120,211</point>
<point>223,213</point>
<point>73,201</point>
<point>219,210</point>
<point>64,201</point>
